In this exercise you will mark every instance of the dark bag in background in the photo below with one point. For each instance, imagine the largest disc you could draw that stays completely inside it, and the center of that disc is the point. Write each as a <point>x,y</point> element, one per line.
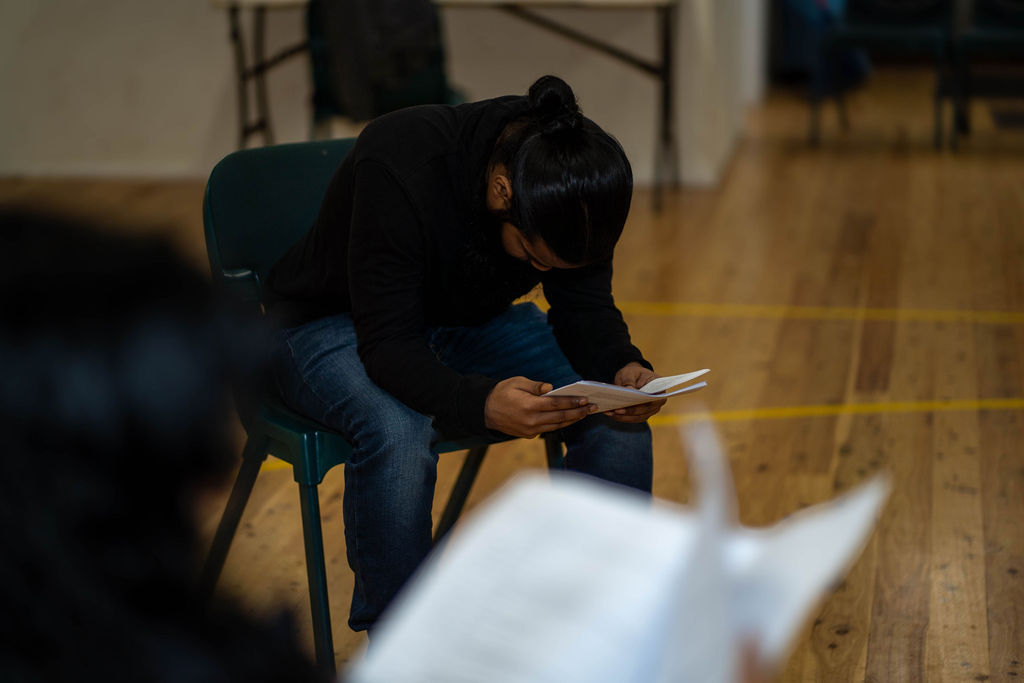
<point>370,57</point>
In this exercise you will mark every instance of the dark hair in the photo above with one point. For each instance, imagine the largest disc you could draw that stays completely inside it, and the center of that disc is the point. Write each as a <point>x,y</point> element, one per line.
<point>116,362</point>
<point>571,181</point>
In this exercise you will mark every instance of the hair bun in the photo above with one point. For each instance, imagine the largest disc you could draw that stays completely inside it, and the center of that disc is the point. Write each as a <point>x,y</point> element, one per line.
<point>553,104</point>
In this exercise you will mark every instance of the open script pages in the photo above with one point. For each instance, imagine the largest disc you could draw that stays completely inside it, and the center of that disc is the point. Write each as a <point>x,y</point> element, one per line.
<point>611,396</point>
<point>566,578</point>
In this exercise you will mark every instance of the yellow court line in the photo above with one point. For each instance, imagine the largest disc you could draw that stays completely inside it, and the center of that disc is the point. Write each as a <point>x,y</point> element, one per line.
<point>831,410</point>
<point>684,309</point>
<point>271,464</point>
<point>791,412</point>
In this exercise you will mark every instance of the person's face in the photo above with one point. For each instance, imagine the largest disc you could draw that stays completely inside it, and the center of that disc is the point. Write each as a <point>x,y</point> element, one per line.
<point>535,252</point>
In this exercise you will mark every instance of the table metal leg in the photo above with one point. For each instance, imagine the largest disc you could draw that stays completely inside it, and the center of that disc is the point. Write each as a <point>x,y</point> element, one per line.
<point>242,94</point>
<point>259,76</point>
<point>256,71</point>
<point>666,165</point>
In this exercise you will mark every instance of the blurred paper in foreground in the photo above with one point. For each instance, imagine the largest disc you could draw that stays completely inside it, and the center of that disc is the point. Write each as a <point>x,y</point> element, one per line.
<point>566,578</point>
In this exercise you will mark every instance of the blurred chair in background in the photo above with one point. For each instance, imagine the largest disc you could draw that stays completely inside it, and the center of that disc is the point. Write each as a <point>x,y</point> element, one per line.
<point>114,406</point>
<point>369,57</point>
<point>988,56</point>
<point>893,27</point>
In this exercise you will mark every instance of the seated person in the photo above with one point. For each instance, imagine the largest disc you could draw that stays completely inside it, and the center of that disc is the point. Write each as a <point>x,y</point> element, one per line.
<point>396,309</point>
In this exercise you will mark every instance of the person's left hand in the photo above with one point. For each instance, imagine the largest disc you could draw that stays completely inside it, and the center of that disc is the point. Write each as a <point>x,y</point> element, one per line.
<point>635,376</point>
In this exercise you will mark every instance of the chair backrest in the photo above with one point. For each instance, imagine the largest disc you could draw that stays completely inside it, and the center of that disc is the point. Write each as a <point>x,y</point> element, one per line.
<point>261,201</point>
<point>904,13</point>
<point>998,14</point>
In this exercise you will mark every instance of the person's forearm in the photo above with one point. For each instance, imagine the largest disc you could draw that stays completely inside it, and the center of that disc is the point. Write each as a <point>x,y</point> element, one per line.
<point>410,372</point>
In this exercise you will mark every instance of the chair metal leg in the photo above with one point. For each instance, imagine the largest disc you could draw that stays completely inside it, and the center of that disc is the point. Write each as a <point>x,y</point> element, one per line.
<point>553,451</point>
<point>316,574</point>
<point>844,118</point>
<point>252,457</point>
<point>939,79</point>
<point>961,99</point>
<point>814,122</point>
<point>816,93</point>
<point>457,499</point>
<point>468,473</point>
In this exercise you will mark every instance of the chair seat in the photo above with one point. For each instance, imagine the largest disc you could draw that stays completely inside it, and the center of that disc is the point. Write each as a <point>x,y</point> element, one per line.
<point>1003,40</point>
<point>308,446</point>
<point>897,38</point>
<point>294,436</point>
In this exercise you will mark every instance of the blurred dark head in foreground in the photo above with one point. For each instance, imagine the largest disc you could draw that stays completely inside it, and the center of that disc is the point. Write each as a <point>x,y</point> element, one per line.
<point>116,369</point>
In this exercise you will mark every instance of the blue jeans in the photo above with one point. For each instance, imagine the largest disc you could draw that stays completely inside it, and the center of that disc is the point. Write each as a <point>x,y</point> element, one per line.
<point>390,477</point>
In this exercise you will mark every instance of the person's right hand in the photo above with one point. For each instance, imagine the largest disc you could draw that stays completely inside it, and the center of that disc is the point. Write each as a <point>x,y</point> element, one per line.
<point>516,407</point>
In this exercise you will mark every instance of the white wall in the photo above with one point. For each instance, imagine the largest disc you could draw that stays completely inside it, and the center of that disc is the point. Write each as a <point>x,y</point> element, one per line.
<point>141,87</point>
<point>492,53</point>
<point>754,51</point>
<point>128,87</point>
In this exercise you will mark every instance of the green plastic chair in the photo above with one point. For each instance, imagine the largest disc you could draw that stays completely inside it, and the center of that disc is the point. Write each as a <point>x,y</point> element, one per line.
<point>258,203</point>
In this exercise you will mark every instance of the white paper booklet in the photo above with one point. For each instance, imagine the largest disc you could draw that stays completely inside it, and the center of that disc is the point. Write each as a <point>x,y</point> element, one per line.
<point>566,579</point>
<point>611,396</point>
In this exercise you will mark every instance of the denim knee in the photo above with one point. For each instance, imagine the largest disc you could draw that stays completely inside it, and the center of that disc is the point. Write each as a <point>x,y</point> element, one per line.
<point>395,431</point>
<point>615,451</point>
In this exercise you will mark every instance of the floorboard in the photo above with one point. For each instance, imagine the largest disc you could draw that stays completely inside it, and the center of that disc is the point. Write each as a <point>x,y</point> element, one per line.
<point>861,305</point>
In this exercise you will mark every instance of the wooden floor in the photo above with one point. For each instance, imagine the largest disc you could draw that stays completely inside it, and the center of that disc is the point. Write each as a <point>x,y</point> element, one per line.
<point>861,306</point>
